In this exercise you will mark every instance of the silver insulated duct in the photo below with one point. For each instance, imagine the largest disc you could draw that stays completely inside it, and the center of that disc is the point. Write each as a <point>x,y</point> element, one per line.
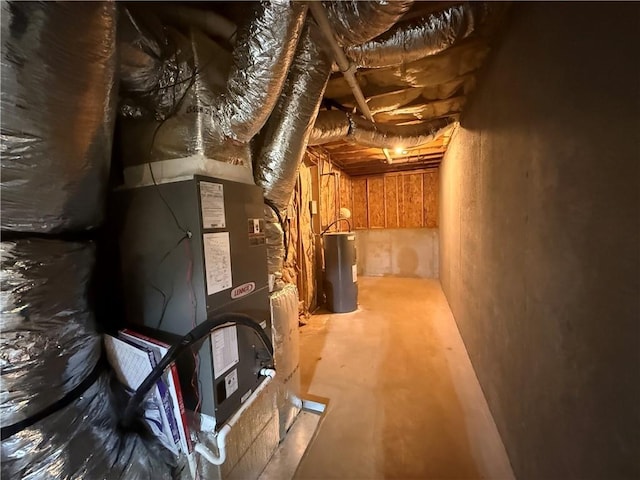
<point>207,103</point>
<point>49,345</point>
<point>331,126</point>
<point>355,22</point>
<point>56,119</point>
<point>260,65</point>
<point>282,144</point>
<point>428,36</point>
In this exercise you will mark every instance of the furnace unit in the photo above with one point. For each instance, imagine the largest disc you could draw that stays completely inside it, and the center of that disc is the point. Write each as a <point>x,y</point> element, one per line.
<point>189,250</point>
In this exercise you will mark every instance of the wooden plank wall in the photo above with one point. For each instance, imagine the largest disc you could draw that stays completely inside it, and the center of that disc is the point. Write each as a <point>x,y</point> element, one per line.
<point>396,200</point>
<point>359,201</point>
<point>335,193</point>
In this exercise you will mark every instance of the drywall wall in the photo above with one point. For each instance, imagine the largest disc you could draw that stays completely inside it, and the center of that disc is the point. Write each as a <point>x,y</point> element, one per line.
<point>539,239</point>
<point>400,252</point>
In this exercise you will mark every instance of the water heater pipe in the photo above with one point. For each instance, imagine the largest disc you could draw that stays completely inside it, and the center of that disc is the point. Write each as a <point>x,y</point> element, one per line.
<point>221,437</point>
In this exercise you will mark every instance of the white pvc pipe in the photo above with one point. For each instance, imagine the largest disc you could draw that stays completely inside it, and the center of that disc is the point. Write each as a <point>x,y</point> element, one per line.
<point>221,437</point>
<point>347,68</point>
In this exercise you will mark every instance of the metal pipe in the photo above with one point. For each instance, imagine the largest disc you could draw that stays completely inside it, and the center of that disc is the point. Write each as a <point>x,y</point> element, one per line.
<point>348,70</point>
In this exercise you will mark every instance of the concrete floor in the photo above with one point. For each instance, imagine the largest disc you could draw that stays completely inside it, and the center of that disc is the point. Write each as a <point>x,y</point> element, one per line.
<point>404,401</point>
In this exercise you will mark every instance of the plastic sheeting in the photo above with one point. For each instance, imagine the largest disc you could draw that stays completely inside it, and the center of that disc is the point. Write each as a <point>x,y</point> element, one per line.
<point>282,144</point>
<point>82,441</point>
<point>286,343</point>
<point>357,21</point>
<point>57,71</point>
<point>365,133</point>
<point>48,341</point>
<point>208,102</point>
<point>428,36</point>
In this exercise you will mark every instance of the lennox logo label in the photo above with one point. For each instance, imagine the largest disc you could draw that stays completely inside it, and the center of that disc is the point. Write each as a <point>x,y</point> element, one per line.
<point>243,290</point>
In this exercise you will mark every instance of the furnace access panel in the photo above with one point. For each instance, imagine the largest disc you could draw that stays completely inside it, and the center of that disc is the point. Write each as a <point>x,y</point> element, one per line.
<point>189,250</point>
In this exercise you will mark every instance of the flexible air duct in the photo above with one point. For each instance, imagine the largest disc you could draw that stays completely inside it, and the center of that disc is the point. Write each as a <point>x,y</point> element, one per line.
<point>48,346</point>
<point>330,126</point>
<point>282,144</point>
<point>425,37</point>
<point>264,50</point>
<point>333,125</point>
<point>58,64</point>
<point>355,22</point>
<point>48,339</point>
<point>82,441</point>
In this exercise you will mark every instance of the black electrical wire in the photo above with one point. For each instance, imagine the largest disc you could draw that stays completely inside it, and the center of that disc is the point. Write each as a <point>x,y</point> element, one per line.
<point>334,222</point>
<point>174,110</point>
<point>198,333</point>
<point>285,237</point>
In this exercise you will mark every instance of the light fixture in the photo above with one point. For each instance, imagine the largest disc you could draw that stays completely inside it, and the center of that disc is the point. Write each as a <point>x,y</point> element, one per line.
<point>399,150</point>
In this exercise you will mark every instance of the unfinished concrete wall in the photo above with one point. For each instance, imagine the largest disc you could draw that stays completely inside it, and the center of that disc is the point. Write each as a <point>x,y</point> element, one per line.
<point>398,252</point>
<point>540,244</point>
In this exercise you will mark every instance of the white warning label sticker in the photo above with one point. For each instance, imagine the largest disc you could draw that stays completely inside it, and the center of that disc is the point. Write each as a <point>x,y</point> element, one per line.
<point>354,273</point>
<point>231,382</point>
<point>212,204</point>
<point>224,343</point>
<point>217,262</point>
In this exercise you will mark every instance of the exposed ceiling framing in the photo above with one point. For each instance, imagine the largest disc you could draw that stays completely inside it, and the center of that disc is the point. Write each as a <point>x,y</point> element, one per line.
<point>414,93</point>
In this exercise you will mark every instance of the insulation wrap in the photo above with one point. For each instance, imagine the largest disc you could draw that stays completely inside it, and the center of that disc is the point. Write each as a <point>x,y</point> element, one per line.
<point>282,143</point>
<point>357,21</point>
<point>56,109</point>
<point>428,36</point>
<point>164,124</point>
<point>155,65</point>
<point>365,133</point>
<point>275,246</point>
<point>286,343</point>
<point>83,442</point>
<point>208,102</point>
<point>330,126</point>
<point>48,346</point>
<point>48,339</point>
<point>390,101</point>
<point>265,50</point>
